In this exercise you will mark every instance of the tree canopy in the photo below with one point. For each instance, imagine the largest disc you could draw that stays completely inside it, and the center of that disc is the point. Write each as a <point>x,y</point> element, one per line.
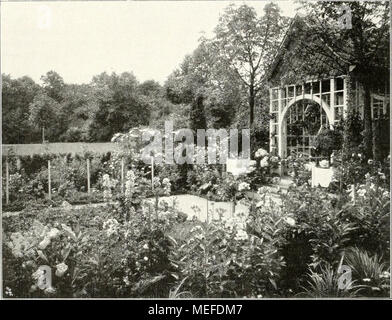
<point>245,44</point>
<point>223,83</point>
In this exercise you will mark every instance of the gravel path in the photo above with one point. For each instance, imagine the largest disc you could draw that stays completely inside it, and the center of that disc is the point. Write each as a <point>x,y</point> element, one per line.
<point>189,204</point>
<point>196,206</point>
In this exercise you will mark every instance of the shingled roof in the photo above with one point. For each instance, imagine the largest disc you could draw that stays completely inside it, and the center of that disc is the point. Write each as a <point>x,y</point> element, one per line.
<point>292,65</point>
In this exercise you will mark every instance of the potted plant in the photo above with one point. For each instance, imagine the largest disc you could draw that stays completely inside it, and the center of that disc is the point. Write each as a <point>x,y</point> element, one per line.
<point>326,141</point>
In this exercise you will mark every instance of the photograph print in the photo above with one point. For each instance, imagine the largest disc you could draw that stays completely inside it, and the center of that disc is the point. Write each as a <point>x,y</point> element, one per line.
<point>195,149</point>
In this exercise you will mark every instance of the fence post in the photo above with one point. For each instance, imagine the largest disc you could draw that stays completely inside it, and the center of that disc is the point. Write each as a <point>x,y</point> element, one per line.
<point>49,182</point>
<point>18,163</point>
<point>152,173</point>
<point>7,178</point>
<point>88,175</point>
<point>207,212</point>
<point>122,175</point>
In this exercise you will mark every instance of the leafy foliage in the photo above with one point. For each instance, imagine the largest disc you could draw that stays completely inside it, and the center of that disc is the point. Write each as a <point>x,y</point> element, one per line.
<point>325,284</point>
<point>371,271</point>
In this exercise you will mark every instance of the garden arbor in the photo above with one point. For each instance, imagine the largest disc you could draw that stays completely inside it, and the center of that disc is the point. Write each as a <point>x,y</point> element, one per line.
<point>296,104</point>
<point>299,111</point>
<point>312,90</point>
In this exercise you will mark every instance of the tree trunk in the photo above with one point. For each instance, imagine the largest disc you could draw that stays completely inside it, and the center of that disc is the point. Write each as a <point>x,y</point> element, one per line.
<point>368,126</point>
<point>251,104</point>
<point>43,134</point>
<point>198,117</point>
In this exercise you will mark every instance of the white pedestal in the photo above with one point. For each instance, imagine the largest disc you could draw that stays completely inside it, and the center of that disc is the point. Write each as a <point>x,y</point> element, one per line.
<point>321,177</point>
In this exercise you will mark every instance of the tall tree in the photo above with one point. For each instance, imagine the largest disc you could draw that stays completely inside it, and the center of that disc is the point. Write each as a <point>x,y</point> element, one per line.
<point>154,95</point>
<point>17,94</point>
<point>206,86</point>
<point>150,88</point>
<point>119,106</point>
<point>77,108</point>
<point>43,112</point>
<point>54,85</point>
<point>197,115</point>
<point>187,85</point>
<point>245,44</point>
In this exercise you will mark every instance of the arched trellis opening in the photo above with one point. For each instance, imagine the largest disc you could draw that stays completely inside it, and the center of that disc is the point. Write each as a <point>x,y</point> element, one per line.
<point>334,95</point>
<point>296,122</point>
<point>300,122</point>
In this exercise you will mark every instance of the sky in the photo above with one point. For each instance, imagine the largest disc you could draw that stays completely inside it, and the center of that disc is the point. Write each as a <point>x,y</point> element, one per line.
<point>81,39</point>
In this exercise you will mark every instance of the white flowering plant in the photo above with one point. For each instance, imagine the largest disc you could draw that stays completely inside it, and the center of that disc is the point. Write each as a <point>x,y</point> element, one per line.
<point>221,259</point>
<point>314,228</point>
<point>296,165</point>
<point>105,257</point>
<point>55,247</point>
<point>262,170</point>
<point>369,208</point>
<point>353,168</point>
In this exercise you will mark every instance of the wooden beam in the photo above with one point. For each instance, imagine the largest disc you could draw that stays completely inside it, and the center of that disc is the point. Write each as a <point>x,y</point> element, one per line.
<point>332,102</point>
<point>7,181</point>
<point>346,97</point>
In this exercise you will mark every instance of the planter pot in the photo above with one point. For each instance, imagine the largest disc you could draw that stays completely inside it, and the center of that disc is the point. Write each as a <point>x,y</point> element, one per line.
<point>321,177</point>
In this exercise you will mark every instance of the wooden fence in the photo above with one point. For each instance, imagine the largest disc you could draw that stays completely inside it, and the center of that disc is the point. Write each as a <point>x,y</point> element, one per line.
<point>18,150</point>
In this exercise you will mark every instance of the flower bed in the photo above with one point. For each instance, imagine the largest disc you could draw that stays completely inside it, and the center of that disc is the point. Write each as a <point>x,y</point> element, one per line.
<point>138,245</point>
<point>141,249</point>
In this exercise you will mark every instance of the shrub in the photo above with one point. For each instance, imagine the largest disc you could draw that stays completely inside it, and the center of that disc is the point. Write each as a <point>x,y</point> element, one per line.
<point>221,259</point>
<point>371,272</point>
<point>314,234</point>
<point>97,255</point>
<point>325,284</point>
<point>296,165</point>
<point>369,209</point>
<point>327,141</point>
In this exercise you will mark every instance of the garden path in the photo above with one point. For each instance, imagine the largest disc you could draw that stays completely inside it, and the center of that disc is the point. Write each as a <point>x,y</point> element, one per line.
<point>193,205</point>
<point>196,206</point>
